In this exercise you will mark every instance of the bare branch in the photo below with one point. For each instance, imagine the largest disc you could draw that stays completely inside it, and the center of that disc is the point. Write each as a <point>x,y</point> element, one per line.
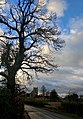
<point>4,21</point>
<point>29,76</point>
<point>3,41</point>
<point>8,37</point>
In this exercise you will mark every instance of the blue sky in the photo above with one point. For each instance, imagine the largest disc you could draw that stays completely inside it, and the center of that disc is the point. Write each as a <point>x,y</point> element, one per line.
<point>69,77</point>
<point>74,10</point>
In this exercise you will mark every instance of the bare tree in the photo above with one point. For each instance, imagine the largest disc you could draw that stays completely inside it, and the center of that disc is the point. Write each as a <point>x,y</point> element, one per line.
<point>25,29</point>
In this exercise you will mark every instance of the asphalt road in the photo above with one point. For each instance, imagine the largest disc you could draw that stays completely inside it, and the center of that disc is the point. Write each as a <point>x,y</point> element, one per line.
<point>37,113</point>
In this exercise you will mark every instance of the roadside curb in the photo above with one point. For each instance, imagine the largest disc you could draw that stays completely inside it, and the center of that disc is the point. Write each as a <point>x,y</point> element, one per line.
<point>26,113</point>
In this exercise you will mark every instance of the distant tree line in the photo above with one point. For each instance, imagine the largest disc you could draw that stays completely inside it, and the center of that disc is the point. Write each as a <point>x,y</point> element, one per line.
<point>52,95</point>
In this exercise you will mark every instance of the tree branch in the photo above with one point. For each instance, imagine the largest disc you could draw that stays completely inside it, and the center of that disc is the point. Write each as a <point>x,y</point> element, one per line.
<point>5,22</point>
<point>7,37</point>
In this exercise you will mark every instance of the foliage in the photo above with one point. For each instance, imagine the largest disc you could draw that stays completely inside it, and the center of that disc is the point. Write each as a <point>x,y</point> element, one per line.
<point>11,107</point>
<point>36,102</point>
<point>73,107</point>
<point>54,95</point>
<point>19,107</point>
<point>72,97</point>
<point>6,106</point>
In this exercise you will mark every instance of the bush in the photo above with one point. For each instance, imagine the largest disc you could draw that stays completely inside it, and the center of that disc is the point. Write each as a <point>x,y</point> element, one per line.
<point>73,107</point>
<point>11,107</point>
<point>34,102</point>
<point>19,107</point>
<point>6,104</point>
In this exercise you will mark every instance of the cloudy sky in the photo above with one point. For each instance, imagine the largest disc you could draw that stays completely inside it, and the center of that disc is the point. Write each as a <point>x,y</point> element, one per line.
<point>69,77</point>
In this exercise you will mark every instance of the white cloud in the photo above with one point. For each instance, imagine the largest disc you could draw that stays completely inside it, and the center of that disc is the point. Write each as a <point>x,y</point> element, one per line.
<point>2,2</point>
<point>71,58</point>
<point>42,2</point>
<point>1,32</point>
<point>76,23</point>
<point>70,74</point>
<point>45,50</point>
<point>72,54</point>
<point>53,6</point>
<point>1,38</point>
<point>57,6</point>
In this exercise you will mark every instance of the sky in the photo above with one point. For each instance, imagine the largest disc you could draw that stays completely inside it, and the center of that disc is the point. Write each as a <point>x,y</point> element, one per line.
<point>69,76</point>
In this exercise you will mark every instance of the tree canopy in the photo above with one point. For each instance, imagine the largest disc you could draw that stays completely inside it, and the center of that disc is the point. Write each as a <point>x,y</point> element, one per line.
<point>25,28</point>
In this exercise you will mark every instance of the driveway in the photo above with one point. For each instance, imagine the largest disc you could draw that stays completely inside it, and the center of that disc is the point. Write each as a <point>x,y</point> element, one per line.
<point>37,113</point>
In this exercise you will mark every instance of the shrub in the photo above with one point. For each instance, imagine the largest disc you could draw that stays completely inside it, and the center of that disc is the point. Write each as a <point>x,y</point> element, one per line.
<point>73,107</point>
<point>34,102</point>
<point>6,104</point>
<point>19,107</point>
<point>11,107</point>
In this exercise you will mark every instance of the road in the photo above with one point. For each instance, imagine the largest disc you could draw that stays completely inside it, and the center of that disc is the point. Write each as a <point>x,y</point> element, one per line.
<point>37,113</point>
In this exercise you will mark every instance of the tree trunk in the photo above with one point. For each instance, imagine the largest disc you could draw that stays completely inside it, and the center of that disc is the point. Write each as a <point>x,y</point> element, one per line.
<point>11,83</point>
<point>11,87</point>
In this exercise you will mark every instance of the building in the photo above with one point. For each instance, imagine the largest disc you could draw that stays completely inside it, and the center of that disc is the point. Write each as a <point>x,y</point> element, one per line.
<point>34,92</point>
